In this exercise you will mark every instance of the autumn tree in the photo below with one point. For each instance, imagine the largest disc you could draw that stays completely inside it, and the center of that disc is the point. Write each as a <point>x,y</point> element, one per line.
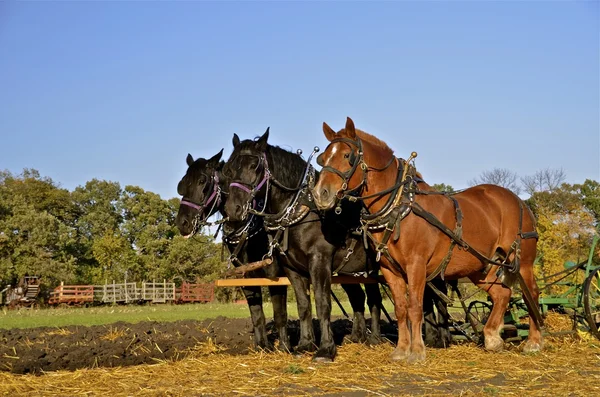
<point>565,227</point>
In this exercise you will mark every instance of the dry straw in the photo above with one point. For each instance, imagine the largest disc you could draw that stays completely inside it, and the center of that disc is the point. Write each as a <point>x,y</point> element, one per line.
<point>569,366</point>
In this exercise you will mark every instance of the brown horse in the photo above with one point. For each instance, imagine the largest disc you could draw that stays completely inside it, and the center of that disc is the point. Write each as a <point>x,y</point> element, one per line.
<point>485,233</point>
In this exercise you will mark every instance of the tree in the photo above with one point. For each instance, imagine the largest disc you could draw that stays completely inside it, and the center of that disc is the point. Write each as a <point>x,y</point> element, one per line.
<point>36,236</point>
<point>35,243</point>
<point>149,226</point>
<point>116,259</point>
<point>565,228</point>
<point>193,259</point>
<point>99,215</point>
<point>498,176</point>
<point>442,187</point>
<point>589,193</point>
<point>543,180</point>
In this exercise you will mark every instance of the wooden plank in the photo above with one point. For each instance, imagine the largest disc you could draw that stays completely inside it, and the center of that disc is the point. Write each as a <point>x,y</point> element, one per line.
<point>266,282</point>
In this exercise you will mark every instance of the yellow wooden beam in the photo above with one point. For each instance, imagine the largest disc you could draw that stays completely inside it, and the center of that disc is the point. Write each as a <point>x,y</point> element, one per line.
<point>266,282</point>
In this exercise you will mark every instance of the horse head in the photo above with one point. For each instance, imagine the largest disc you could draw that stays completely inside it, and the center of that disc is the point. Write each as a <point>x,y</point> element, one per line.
<point>247,171</point>
<point>200,191</point>
<point>339,162</point>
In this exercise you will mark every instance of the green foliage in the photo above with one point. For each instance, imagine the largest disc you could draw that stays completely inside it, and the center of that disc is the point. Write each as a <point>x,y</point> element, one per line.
<point>442,187</point>
<point>565,225</point>
<point>97,232</point>
<point>589,193</point>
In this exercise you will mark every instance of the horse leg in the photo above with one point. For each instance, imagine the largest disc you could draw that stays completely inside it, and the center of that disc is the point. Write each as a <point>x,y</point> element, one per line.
<point>357,301</point>
<point>535,340</point>
<point>416,287</point>
<point>430,323</point>
<point>500,295</point>
<point>254,297</point>
<point>374,302</point>
<point>443,316</point>
<point>301,287</point>
<point>279,300</point>
<point>397,286</point>
<point>321,280</point>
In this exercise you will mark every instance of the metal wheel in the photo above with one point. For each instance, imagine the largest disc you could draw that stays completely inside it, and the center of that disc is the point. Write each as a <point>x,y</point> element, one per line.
<point>591,302</point>
<point>480,311</point>
<point>477,315</point>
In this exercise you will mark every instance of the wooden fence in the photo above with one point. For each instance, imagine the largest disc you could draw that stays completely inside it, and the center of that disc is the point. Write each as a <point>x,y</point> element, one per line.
<point>154,292</point>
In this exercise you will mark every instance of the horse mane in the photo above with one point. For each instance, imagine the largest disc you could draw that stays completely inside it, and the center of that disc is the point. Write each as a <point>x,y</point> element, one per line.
<point>365,136</point>
<point>287,167</point>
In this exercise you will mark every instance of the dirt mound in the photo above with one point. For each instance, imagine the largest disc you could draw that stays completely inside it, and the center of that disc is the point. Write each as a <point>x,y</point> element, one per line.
<point>121,344</point>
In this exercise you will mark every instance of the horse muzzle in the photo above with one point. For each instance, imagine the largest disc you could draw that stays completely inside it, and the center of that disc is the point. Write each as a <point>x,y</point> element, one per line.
<point>324,199</point>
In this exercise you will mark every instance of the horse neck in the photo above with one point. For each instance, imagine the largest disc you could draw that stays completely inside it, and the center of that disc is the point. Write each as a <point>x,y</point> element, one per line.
<point>378,181</point>
<point>278,198</point>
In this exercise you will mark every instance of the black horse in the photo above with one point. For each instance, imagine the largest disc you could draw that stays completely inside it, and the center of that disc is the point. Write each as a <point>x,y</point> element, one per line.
<point>202,196</point>
<point>203,189</point>
<point>310,245</point>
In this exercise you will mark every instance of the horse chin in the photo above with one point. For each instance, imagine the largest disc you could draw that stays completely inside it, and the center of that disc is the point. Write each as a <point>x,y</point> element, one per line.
<point>324,205</point>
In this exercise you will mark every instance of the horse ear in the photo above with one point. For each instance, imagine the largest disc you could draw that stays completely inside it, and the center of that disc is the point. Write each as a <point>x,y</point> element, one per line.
<point>236,140</point>
<point>189,160</point>
<point>215,159</point>
<point>261,143</point>
<point>329,133</point>
<point>350,129</point>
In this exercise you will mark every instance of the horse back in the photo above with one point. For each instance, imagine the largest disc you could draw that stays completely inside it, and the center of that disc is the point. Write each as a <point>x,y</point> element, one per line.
<point>492,218</point>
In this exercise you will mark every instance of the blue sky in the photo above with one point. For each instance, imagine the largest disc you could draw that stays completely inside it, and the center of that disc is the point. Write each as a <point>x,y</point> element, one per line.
<point>122,91</point>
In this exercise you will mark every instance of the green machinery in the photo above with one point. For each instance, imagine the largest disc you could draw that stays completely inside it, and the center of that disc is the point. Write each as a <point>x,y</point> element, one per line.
<point>579,284</point>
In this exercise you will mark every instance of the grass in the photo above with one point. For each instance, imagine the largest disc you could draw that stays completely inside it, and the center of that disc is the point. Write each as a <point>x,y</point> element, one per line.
<point>102,315</point>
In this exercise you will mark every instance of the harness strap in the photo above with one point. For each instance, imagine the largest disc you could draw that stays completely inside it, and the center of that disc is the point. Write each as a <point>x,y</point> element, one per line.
<point>347,257</point>
<point>441,269</point>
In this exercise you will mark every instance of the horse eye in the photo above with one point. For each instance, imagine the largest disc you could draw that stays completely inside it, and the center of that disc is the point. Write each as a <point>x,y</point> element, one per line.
<point>347,155</point>
<point>202,180</point>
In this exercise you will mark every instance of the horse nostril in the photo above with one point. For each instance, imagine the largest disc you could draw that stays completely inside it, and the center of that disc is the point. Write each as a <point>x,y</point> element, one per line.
<point>324,194</point>
<point>238,210</point>
<point>185,223</point>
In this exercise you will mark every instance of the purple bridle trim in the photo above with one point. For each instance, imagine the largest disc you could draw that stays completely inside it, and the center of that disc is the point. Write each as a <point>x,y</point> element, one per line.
<point>190,204</point>
<point>210,198</point>
<point>262,182</point>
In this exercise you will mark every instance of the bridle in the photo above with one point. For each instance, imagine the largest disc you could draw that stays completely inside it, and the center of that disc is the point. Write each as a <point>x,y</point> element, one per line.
<point>356,159</point>
<point>253,189</point>
<point>201,215</point>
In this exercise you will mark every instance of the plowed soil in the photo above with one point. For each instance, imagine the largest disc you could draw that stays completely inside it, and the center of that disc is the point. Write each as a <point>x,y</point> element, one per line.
<point>38,350</point>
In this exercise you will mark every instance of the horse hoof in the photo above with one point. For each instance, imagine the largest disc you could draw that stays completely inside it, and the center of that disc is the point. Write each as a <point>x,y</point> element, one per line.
<point>319,359</point>
<point>416,357</point>
<point>304,348</point>
<point>265,346</point>
<point>286,348</point>
<point>352,338</point>
<point>325,355</point>
<point>399,355</point>
<point>373,340</point>
<point>494,344</point>
<point>532,347</point>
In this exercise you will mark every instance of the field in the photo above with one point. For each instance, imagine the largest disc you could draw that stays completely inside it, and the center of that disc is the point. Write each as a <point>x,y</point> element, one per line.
<point>207,350</point>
